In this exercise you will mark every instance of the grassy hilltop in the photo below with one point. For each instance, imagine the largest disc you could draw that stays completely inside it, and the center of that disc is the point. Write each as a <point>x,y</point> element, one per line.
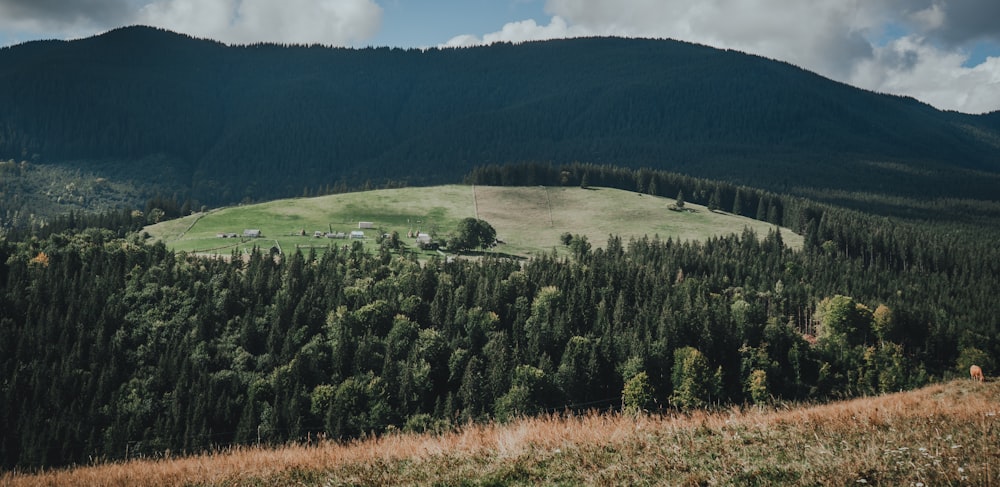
<point>529,220</point>
<point>944,434</point>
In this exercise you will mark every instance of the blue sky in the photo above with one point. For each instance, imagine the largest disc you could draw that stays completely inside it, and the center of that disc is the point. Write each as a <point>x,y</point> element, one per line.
<point>943,52</point>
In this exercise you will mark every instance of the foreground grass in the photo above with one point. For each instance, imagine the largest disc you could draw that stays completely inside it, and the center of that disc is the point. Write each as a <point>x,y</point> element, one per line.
<point>946,434</point>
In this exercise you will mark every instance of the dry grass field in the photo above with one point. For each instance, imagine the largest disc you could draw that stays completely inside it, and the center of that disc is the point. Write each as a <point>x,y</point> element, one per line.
<point>529,220</point>
<point>944,434</point>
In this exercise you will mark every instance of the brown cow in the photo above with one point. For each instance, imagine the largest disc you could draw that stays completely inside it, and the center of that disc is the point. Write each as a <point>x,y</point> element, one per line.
<point>977,373</point>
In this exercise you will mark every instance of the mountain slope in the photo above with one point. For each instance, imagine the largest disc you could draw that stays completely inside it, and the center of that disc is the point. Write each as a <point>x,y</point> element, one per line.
<point>264,121</point>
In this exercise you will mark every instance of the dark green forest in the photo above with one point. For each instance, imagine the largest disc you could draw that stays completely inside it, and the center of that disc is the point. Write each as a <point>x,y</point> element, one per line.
<point>217,124</point>
<point>113,347</point>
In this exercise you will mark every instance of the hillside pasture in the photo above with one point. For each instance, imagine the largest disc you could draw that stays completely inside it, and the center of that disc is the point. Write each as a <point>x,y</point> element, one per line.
<point>531,219</point>
<point>528,220</point>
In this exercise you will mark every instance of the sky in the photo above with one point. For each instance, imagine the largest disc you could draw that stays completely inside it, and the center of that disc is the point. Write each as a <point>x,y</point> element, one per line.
<point>942,52</point>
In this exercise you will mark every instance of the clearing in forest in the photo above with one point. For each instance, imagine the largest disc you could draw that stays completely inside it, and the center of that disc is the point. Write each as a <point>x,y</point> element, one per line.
<point>528,220</point>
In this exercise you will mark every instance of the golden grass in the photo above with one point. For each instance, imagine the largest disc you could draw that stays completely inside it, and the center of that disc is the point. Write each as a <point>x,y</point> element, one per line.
<point>946,434</point>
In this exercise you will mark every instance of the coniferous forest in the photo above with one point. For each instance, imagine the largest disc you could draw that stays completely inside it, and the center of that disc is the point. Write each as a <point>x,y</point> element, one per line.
<point>115,347</point>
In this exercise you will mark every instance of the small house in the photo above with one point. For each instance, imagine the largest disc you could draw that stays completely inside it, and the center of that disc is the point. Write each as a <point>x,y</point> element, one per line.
<point>357,234</point>
<point>423,238</point>
<point>251,233</point>
<point>318,234</point>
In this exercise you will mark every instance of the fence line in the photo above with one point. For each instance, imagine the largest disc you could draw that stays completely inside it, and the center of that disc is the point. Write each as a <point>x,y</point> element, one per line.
<point>475,201</point>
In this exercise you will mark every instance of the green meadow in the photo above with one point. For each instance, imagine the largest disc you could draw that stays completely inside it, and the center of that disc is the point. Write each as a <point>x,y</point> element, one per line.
<point>528,220</point>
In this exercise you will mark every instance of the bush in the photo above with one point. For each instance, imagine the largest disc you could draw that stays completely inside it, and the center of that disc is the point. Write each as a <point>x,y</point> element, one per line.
<point>637,395</point>
<point>695,385</point>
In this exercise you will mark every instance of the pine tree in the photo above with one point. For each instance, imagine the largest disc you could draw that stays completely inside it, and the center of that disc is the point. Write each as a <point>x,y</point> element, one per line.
<point>715,201</point>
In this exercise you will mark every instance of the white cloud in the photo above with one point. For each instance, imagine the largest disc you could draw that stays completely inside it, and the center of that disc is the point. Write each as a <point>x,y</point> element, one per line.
<point>528,30</point>
<point>912,66</point>
<point>335,22</point>
<point>930,18</point>
<point>464,40</point>
<point>845,40</point>
<point>59,18</point>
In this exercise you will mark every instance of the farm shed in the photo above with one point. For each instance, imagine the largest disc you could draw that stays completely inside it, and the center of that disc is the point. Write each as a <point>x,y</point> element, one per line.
<point>357,234</point>
<point>251,233</point>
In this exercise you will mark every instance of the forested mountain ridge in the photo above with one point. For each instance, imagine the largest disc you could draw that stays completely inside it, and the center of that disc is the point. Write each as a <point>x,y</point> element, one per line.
<point>263,121</point>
